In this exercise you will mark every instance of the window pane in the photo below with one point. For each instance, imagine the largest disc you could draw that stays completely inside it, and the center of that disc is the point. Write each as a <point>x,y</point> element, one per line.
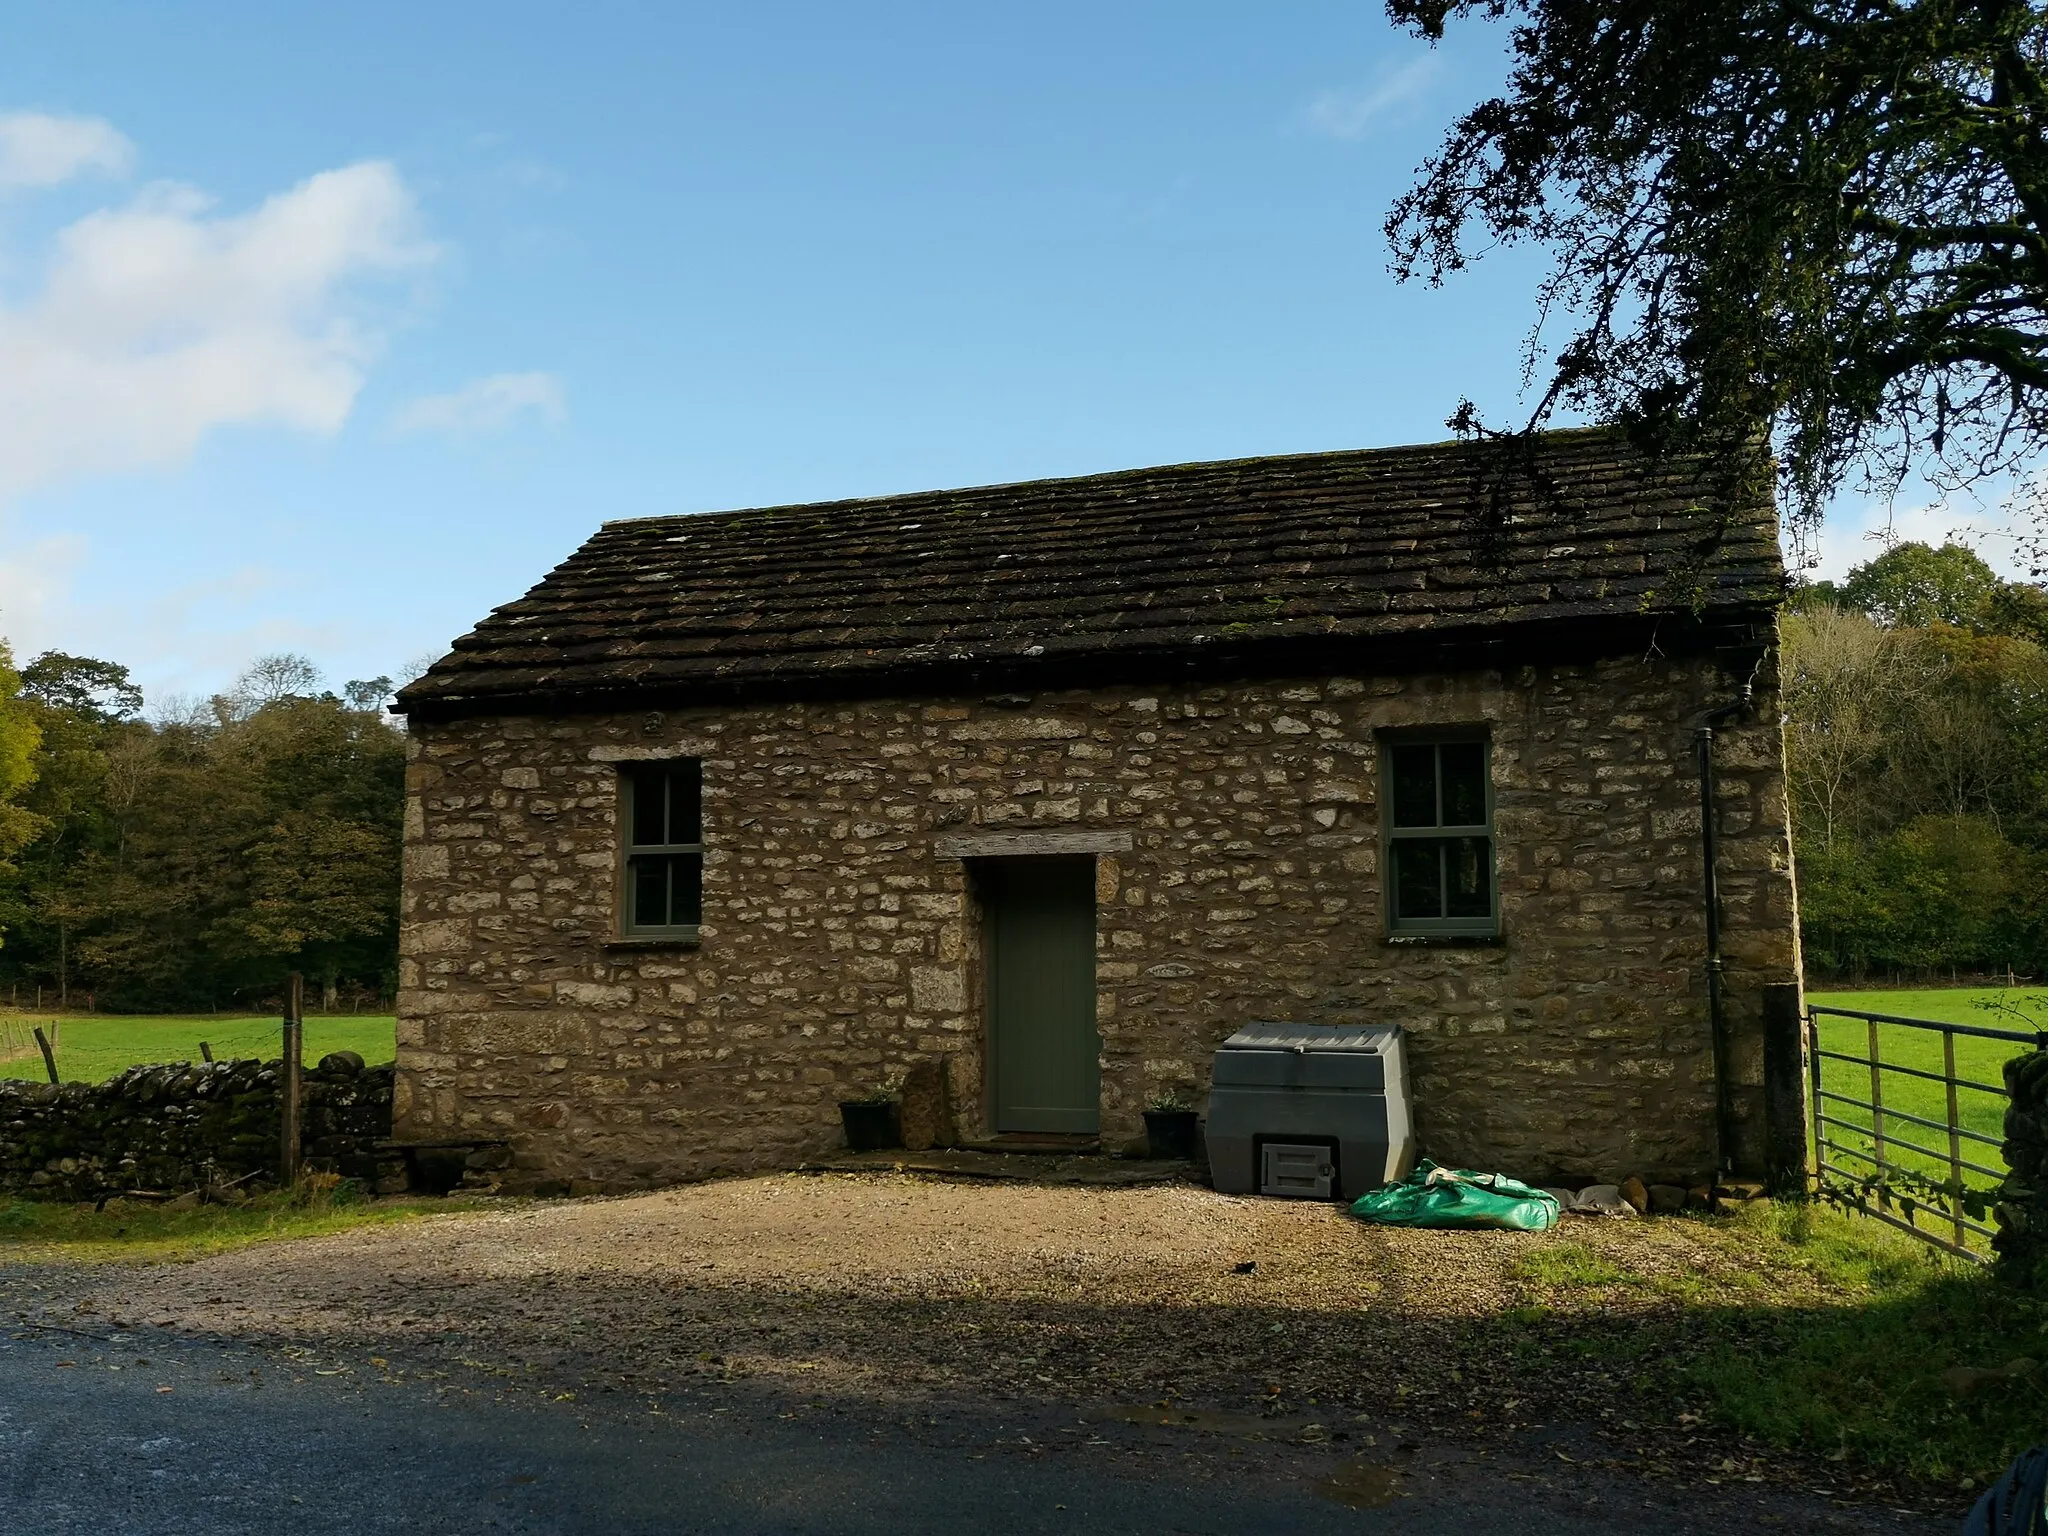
<point>1470,861</point>
<point>685,888</point>
<point>686,803</point>
<point>648,878</point>
<point>650,825</point>
<point>667,804</point>
<point>1414,786</point>
<point>1418,878</point>
<point>666,890</point>
<point>1464,783</point>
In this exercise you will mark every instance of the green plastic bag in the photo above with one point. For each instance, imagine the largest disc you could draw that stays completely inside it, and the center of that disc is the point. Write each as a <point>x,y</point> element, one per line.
<point>1456,1197</point>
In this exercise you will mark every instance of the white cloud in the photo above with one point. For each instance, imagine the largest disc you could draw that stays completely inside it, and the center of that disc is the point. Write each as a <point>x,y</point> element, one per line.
<point>178,637</point>
<point>486,405</point>
<point>38,150</point>
<point>1350,113</point>
<point>36,578</point>
<point>161,321</point>
<point>1854,536</point>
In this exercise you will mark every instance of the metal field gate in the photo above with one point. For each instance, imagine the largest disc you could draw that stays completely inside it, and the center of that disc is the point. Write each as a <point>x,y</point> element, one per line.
<point>1907,1119</point>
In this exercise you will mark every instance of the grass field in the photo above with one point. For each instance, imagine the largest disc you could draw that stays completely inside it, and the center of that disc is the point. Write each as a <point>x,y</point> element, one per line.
<point>1830,1334</point>
<point>125,1231</point>
<point>90,1050</point>
<point>1981,1060</point>
<point>1953,1005</point>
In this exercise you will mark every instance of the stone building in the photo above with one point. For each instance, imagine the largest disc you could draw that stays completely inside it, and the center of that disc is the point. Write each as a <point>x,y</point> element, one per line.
<point>1039,791</point>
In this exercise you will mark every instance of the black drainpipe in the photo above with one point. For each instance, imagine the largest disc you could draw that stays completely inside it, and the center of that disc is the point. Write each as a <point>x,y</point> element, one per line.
<point>1724,1094</point>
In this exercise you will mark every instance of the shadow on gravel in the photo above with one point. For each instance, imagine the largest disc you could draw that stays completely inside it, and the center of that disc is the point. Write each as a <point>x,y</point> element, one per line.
<point>1856,1391</point>
<point>1868,1359</point>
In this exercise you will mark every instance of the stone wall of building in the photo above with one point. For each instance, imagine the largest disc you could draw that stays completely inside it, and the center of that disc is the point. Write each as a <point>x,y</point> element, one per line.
<point>839,948</point>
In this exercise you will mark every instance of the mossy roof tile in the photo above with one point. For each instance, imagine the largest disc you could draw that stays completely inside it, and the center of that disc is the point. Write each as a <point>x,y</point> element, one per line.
<point>1150,562</point>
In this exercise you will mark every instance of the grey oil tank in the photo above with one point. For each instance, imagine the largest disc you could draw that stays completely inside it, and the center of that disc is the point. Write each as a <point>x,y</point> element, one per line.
<point>1318,1111</point>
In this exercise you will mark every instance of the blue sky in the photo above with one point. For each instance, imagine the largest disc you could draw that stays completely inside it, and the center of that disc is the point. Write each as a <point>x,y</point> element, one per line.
<point>327,329</point>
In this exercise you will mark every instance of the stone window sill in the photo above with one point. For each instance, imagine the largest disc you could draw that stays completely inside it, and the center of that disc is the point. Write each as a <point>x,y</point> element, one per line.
<point>1444,941</point>
<point>634,941</point>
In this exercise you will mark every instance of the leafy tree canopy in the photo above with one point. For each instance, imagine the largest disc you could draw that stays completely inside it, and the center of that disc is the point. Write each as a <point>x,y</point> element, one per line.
<point>1822,223</point>
<point>82,686</point>
<point>368,692</point>
<point>196,858</point>
<point>1917,761</point>
<point>1914,585</point>
<point>19,738</point>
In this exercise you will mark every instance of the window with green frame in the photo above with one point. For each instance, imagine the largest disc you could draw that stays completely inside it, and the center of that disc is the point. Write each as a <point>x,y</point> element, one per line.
<point>664,875</point>
<point>1438,801</point>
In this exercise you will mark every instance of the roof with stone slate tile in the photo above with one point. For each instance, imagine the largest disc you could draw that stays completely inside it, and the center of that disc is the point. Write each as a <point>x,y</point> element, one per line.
<point>1241,564</point>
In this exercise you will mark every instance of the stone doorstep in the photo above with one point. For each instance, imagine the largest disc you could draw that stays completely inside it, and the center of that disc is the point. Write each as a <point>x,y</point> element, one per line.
<point>1022,1168</point>
<point>1035,1143</point>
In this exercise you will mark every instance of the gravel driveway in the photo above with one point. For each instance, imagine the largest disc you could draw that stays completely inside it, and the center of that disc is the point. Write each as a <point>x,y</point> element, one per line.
<point>1168,1302</point>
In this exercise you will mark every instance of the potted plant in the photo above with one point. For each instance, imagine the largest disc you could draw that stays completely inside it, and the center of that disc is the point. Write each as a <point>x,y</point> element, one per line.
<point>870,1122</point>
<point>1170,1128</point>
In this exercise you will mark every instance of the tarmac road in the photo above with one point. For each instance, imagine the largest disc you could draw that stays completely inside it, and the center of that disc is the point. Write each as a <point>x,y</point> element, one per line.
<point>144,1432</point>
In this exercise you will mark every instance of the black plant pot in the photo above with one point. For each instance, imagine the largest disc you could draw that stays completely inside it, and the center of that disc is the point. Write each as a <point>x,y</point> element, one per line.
<point>870,1126</point>
<point>1170,1133</point>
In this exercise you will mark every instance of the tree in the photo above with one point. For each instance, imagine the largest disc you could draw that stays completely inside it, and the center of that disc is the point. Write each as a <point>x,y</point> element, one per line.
<point>324,887</point>
<point>194,858</point>
<point>1917,761</point>
<point>19,737</point>
<point>1816,597</point>
<point>79,706</point>
<point>2019,609</point>
<point>1916,586</point>
<point>81,686</point>
<point>1845,681</point>
<point>1822,223</point>
<point>271,680</point>
<point>367,692</point>
<point>1957,749</point>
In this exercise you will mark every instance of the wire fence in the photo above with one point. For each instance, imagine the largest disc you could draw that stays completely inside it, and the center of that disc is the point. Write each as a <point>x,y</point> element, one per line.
<point>18,1040</point>
<point>1908,1119</point>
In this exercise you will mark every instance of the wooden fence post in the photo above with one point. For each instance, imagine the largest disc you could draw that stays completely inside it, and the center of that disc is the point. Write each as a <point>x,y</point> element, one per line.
<point>49,1056</point>
<point>288,1082</point>
<point>1787,1163</point>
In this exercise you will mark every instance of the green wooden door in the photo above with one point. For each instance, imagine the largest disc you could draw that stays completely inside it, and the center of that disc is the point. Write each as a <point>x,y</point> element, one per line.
<point>1046,1053</point>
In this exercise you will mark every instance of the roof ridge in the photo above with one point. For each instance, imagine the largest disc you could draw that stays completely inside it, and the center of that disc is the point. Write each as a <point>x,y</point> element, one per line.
<point>1558,435</point>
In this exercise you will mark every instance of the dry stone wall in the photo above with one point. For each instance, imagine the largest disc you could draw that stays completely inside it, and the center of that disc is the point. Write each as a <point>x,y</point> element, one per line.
<point>2021,1209</point>
<point>840,948</point>
<point>187,1126</point>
